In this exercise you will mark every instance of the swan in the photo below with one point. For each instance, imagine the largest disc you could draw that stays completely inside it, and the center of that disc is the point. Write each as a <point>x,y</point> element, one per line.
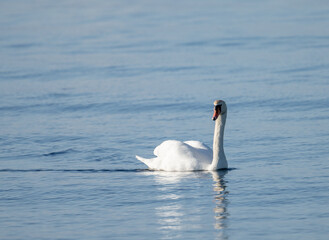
<point>172,155</point>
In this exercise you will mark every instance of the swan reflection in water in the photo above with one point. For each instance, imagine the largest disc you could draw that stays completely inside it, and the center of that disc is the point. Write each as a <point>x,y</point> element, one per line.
<point>221,203</point>
<point>176,192</point>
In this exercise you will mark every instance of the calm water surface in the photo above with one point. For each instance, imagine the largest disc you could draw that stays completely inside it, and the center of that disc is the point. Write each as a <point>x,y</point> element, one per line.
<point>87,85</point>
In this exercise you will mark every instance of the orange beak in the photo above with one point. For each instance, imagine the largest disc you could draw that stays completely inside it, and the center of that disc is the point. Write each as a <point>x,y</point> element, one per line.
<point>216,113</point>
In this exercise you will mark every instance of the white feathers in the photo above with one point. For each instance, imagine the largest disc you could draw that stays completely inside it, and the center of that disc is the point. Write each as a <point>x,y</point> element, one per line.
<point>175,155</point>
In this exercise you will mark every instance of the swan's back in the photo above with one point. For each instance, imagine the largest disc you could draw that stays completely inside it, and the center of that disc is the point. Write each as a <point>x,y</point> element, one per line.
<point>200,145</point>
<point>175,155</point>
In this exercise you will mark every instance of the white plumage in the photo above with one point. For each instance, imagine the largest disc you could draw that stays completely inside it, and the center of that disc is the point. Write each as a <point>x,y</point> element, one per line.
<point>172,155</point>
<point>175,155</point>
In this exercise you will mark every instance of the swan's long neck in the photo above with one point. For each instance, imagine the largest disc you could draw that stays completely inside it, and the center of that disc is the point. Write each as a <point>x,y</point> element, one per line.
<point>219,158</point>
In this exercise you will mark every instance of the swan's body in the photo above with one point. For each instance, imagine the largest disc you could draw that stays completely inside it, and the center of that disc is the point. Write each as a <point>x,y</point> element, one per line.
<point>175,155</point>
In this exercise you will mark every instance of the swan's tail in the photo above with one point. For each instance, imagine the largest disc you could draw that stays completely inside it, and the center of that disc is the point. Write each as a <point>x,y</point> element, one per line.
<point>147,162</point>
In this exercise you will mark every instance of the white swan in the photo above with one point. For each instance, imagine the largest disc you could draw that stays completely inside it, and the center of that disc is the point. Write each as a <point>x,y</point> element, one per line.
<point>174,155</point>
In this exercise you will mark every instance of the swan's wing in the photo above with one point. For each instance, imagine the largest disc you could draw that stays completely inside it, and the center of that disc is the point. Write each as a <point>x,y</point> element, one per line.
<point>201,151</point>
<point>197,144</point>
<point>167,147</point>
<point>175,155</point>
<point>166,154</point>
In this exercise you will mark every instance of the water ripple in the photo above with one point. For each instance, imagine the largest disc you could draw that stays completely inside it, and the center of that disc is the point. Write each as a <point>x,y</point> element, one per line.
<point>59,152</point>
<point>71,170</point>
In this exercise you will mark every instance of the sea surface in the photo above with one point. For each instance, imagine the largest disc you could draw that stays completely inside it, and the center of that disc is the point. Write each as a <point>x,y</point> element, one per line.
<point>87,85</point>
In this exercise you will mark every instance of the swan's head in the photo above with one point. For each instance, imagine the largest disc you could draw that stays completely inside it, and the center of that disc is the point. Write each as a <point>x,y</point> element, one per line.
<point>219,109</point>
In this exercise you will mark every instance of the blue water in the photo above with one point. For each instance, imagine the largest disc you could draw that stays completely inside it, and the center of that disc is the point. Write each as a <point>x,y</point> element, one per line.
<point>87,85</point>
